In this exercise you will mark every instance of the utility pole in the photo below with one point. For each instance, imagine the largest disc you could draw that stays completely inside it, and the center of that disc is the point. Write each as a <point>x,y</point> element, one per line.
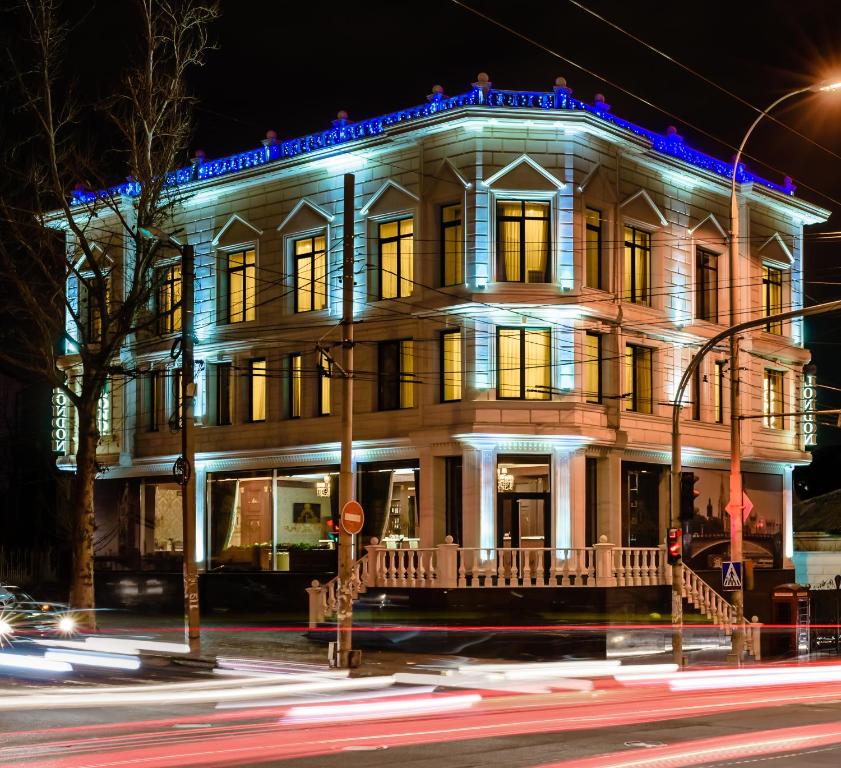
<point>188,449</point>
<point>736,503</point>
<point>345,657</point>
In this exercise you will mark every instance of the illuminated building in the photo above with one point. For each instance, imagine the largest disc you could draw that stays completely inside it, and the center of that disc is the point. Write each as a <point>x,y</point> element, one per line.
<point>533,274</point>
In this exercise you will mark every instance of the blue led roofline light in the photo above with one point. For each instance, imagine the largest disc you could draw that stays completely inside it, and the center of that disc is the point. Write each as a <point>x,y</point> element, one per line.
<point>344,132</point>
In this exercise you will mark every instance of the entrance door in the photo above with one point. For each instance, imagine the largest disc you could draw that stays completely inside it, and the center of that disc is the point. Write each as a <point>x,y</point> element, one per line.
<point>640,505</point>
<point>526,517</point>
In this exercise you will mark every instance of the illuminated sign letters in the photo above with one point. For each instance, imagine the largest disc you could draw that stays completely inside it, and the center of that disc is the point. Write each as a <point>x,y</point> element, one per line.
<point>809,424</point>
<point>61,423</point>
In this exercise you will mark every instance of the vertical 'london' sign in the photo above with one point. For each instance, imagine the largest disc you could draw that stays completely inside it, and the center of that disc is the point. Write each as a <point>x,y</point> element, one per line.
<point>61,423</point>
<point>808,423</point>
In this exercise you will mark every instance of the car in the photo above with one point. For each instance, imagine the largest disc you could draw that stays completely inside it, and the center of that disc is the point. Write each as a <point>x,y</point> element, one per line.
<point>21,615</point>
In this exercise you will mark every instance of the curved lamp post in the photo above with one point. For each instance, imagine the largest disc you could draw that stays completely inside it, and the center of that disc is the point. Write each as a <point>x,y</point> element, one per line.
<point>735,504</point>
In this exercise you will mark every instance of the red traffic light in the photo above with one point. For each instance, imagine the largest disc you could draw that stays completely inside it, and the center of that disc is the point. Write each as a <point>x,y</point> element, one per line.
<point>674,545</point>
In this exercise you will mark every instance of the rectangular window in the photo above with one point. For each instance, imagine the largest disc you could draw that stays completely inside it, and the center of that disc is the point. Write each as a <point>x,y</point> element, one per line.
<point>257,390</point>
<point>242,286</point>
<point>773,402</point>
<point>639,390</point>
<point>450,366</point>
<point>224,394</point>
<point>90,314</point>
<point>637,266</point>
<point>593,246</point>
<point>452,257</point>
<point>177,398</point>
<point>523,242</point>
<point>295,386</point>
<point>396,249</point>
<point>151,400</point>
<point>696,394</point>
<point>592,367</point>
<point>772,296</point>
<point>169,299</point>
<point>523,363</point>
<point>103,410</point>
<point>396,375</point>
<point>719,392</point>
<point>706,285</point>
<point>325,371</point>
<point>310,273</point>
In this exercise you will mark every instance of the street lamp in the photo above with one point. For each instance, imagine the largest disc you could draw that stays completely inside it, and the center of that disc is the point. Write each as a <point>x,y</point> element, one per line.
<point>184,466</point>
<point>736,502</point>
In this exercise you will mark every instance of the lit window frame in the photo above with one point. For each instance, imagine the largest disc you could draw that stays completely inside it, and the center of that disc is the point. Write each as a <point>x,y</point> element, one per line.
<point>257,379</point>
<point>633,401</point>
<point>594,398</point>
<point>630,291</point>
<point>295,395</point>
<point>224,394</point>
<point>169,298</point>
<point>772,277</point>
<point>452,262</point>
<point>311,289</point>
<point>522,219</point>
<point>399,239</point>
<point>404,380</point>
<point>524,393</point>
<point>452,377</point>
<point>593,230</point>
<point>248,313</point>
<point>773,399</point>
<point>719,391</point>
<point>706,285</point>
<point>325,372</point>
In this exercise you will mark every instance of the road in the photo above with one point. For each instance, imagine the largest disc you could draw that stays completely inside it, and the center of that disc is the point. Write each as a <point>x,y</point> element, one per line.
<point>565,714</point>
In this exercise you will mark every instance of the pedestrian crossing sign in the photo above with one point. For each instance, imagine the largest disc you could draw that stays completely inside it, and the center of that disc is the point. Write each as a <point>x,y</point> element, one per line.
<point>731,575</point>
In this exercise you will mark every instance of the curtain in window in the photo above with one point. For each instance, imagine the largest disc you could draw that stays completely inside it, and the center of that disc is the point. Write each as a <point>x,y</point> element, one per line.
<point>406,257</point>
<point>258,390</point>
<point>320,274</point>
<point>509,241</point>
<point>295,388</point>
<point>250,286</point>
<point>452,237</point>
<point>593,245</point>
<point>644,393</point>
<point>235,286</point>
<point>451,389</point>
<point>407,374</point>
<point>537,243</point>
<point>537,356</point>
<point>223,497</point>
<point>592,365</point>
<point>388,270</point>
<point>302,248</point>
<point>508,378</point>
<point>324,373</point>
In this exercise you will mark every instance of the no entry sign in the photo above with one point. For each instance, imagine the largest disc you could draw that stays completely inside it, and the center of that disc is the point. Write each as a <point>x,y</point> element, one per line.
<point>353,518</point>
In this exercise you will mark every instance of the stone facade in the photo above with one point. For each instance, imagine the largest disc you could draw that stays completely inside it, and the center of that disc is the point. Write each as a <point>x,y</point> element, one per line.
<point>477,155</point>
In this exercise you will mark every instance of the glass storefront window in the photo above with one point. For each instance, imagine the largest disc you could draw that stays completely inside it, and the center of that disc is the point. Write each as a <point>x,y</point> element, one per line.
<point>257,518</point>
<point>390,499</point>
<point>162,520</point>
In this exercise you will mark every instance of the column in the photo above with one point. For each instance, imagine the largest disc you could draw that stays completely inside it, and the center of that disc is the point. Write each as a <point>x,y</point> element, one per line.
<point>202,527</point>
<point>609,511</point>
<point>427,498</point>
<point>479,490</point>
<point>788,525</point>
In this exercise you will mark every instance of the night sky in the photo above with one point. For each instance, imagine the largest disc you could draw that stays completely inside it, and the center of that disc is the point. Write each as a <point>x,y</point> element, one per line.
<point>291,66</point>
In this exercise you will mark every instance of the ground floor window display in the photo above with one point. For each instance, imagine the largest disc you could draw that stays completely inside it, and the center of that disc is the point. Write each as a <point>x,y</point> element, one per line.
<point>256,518</point>
<point>524,509</point>
<point>389,495</point>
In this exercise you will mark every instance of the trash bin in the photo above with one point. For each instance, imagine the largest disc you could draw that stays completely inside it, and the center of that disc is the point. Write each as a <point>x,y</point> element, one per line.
<point>790,616</point>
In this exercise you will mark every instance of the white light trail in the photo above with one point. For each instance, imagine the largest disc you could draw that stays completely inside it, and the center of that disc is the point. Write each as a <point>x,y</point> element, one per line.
<point>32,663</point>
<point>91,659</point>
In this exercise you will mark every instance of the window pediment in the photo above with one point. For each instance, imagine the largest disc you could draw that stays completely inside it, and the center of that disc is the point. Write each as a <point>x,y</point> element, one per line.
<point>640,207</point>
<point>776,252</point>
<point>389,198</point>
<point>305,216</point>
<point>597,185</point>
<point>524,174</point>
<point>447,181</point>
<point>236,230</point>
<point>709,230</point>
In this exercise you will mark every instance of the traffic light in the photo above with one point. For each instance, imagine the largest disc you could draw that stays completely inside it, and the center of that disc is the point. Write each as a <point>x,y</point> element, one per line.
<point>688,494</point>
<point>674,545</point>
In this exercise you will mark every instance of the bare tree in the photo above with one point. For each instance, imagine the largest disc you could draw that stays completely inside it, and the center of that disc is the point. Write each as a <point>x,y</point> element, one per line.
<point>77,270</point>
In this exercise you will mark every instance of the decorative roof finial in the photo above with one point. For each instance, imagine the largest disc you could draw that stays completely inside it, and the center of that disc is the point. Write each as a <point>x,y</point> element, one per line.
<point>437,93</point>
<point>342,119</point>
<point>561,87</point>
<point>483,84</point>
<point>671,132</point>
<point>600,104</point>
<point>271,138</point>
<point>198,158</point>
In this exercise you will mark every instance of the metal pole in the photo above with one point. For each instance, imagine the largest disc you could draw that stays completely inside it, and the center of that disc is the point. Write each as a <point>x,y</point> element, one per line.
<point>344,655</point>
<point>736,503</point>
<point>677,568</point>
<point>188,488</point>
